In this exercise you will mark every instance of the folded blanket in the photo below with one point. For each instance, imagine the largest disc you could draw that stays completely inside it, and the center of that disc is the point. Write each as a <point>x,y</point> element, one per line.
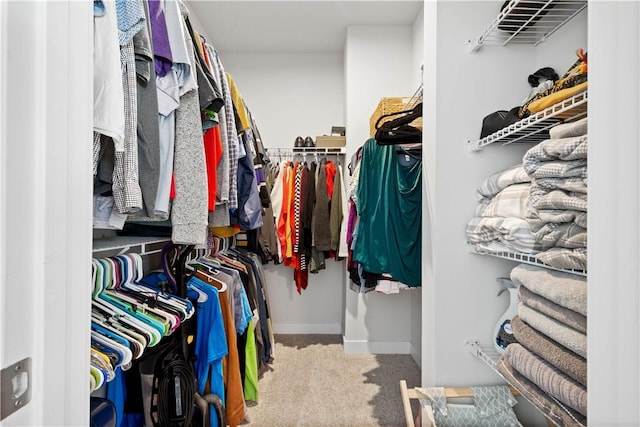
<point>512,202</point>
<point>567,235</point>
<point>567,149</point>
<point>559,199</point>
<point>562,314</point>
<point>546,376</point>
<point>557,331</point>
<point>564,289</point>
<point>501,180</point>
<point>568,259</point>
<point>538,218</point>
<point>559,413</point>
<point>567,130</point>
<point>554,353</point>
<point>557,168</point>
<point>576,185</point>
<point>512,233</point>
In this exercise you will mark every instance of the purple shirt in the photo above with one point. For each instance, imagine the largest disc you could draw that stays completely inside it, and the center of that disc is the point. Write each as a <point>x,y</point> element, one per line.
<point>161,48</point>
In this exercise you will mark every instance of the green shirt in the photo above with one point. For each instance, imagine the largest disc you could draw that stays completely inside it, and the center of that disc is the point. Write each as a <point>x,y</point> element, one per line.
<point>390,226</point>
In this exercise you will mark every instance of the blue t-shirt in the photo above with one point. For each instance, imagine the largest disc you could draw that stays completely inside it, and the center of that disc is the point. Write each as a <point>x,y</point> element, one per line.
<point>211,341</point>
<point>117,393</point>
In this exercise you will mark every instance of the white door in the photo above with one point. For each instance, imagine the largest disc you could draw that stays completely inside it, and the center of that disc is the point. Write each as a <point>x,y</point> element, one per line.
<point>45,211</point>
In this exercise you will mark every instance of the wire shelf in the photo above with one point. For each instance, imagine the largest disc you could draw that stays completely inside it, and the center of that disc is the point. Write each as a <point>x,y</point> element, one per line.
<point>491,357</point>
<point>528,22</point>
<point>309,150</point>
<point>141,245</point>
<point>527,259</point>
<point>535,128</point>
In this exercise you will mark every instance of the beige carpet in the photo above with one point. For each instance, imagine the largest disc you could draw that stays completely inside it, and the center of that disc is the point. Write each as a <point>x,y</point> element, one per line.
<point>312,382</point>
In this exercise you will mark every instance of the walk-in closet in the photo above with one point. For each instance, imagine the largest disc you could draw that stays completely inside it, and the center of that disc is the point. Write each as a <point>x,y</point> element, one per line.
<point>471,70</point>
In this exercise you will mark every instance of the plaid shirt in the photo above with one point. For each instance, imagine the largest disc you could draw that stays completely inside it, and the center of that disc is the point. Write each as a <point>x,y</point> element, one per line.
<point>126,186</point>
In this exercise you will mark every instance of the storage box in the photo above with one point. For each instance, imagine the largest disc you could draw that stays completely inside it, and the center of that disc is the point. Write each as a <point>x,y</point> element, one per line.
<point>325,141</point>
<point>392,105</point>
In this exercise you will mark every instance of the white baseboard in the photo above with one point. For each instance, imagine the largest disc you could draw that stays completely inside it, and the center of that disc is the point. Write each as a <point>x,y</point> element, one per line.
<point>416,355</point>
<point>376,347</point>
<point>307,328</point>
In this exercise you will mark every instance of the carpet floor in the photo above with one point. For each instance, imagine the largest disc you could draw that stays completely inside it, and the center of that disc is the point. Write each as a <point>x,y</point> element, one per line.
<point>312,382</point>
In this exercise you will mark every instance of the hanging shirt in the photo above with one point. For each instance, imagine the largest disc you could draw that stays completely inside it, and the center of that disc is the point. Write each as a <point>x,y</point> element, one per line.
<point>161,46</point>
<point>211,342</point>
<point>108,94</point>
<point>390,198</point>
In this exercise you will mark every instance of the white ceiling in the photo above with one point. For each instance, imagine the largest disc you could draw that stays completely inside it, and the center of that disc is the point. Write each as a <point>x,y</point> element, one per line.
<point>292,26</point>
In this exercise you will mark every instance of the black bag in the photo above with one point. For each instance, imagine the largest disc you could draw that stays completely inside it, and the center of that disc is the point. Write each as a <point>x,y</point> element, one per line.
<point>499,120</point>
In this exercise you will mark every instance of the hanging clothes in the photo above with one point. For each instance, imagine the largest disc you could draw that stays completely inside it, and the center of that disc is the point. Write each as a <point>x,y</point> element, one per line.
<point>389,230</point>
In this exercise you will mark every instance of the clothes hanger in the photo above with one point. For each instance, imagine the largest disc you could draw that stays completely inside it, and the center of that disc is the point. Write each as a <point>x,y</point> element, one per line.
<point>406,117</point>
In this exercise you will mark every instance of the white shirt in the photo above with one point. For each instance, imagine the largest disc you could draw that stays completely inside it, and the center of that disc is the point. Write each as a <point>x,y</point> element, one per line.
<point>108,95</point>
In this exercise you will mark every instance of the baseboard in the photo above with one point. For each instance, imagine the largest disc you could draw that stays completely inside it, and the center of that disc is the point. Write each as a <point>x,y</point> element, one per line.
<point>376,347</point>
<point>416,355</point>
<point>307,328</point>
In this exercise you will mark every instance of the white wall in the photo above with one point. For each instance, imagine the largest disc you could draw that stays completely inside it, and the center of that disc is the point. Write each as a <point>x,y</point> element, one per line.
<point>378,63</point>
<point>294,95</point>
<point>45,213</point>
<point>459,296</point>
<point>614,199</point>
<point>290,95</point>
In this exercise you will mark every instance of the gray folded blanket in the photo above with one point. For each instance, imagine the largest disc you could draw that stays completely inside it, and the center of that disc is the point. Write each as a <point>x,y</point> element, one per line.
<point>546,376</point>
<point>557,331</point>
<point>562,314</point>
<point>570,151</point>
<point>562,415</point>
<point>565,289</point>
<point>559,200</point>
<point>571,259</point>
<point>567,130</point>
<point>498,181</point>
<point>575,185</point>
<point>537,218</point>
<point>554,353</point>
<point>563,235</point>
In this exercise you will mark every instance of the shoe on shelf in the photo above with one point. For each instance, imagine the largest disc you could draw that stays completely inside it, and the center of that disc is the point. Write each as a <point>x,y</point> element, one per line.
<point>299,142</point>
<point>308,142</point>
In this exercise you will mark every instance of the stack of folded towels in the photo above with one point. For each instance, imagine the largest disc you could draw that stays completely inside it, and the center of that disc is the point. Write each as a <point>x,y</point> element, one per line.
<point>557,205</point>
<point>548,364</point>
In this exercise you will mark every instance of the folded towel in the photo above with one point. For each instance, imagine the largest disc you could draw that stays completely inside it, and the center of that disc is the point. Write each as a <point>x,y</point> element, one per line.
<point>559,413</point>
<point>554,353</point>
<point>559,332</point>
<point>565,289</point>
<point>571,259</point>
<point>546,376</point>
<point>562,314</point>
<point>567,130</point>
